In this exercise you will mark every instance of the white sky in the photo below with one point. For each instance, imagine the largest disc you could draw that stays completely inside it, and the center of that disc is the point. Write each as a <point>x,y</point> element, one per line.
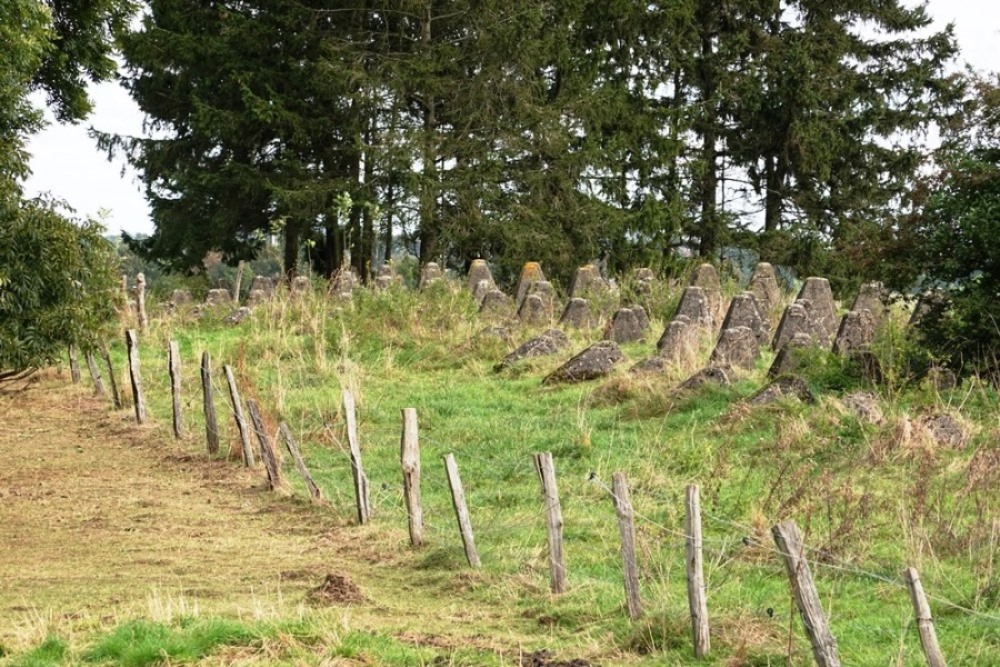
<point>66,163</point>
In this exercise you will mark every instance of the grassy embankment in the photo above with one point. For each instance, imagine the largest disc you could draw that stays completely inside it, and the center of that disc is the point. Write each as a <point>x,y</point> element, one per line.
<point>873,497</point>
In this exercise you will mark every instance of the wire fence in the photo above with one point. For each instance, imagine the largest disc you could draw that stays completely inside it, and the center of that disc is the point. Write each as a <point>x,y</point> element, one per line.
<point>495,523</point>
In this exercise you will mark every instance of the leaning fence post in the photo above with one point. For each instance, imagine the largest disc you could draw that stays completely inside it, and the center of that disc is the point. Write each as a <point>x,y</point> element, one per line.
<point>695,572</point>
<point>140,301</point>
<point>236,283</point>
<point>461,510</point>
<point>824,645</point>
<point>74,364</point>
<point>626,528</point>
<point>546,470</point>
<point>241,421</point>
<point>267,452</point>
<point>357,470</point>
<point>925,624</point>
<point>174,366</point>
<point>95,374</point>
<point>300,465</point>
<point>410,461</point>
<point>132,343</point>
<point>208,402</point>
<point>116,399</point>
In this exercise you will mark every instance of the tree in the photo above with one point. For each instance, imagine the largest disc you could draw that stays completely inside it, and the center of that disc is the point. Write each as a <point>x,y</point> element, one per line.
<point>948,244</point>
<point>54,274</point>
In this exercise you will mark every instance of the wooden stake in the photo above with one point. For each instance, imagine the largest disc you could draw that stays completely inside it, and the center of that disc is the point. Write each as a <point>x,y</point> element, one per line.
<point>208,402</point>
<point>116,398</point>
<point>925,624</point>
<point>174,365</point>
<point>241,422</point>
<point>824,645</point>
<point>132,344</point>
<point>239,279</point>
<point>267,453</point>
<point>626,528</point>
<point>461,510</point>
<point>95,374</point>
<point>140,301</point>
<point>410,460</point>
<point>697,601</point>
<point>74,364</point>
<point>300,465</point>
<point>546,469</point>
<point>361,494</point>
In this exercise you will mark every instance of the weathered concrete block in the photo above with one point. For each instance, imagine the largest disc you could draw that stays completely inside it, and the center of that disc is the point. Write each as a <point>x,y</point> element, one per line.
<point>238,316</point>
<point>531,273</point>
<point>856,332</point>
<point>710,375</point>
<point>707,278</point>
<point>626,326</point>
<point>818,293</point>
<point>263,284</point>
<point>789,355</point>
<point>576,314</point>
<point>736,348</point>
<point>784,387</point>
<point>596,361</point>
<point>764,286</point>
<point>218,297</point>
<point>695,306</point>
<point>548,343</point>
<point>180,297</point>
<point>478,272</point>
<point>873,298</point>
<point>533,311</point>
<point>743,312</point>
<point>256,297</point>
<point>430,273</point>
<point>794,321</point>
<point>678,341</point>
<point>587,283</point>
<point>496,304</point>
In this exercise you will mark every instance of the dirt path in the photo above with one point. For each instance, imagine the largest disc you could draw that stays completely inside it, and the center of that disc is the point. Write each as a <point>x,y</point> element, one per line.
<point>97,514</point>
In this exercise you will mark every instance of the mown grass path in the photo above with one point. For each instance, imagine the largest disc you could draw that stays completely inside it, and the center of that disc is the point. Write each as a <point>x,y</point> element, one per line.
<point>98,515</point>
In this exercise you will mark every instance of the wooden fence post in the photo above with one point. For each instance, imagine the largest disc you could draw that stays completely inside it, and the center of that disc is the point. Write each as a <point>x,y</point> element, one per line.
<point>236,285</point>
<point>410,461</point>
<point>95,374</point>
<point>241,422</point>
<point>174,365</point>
<point>695,572</point>
<point>626,528</point>
<point>267,453</point>
<point>140,301</point>
<point>361,494</point>
<point>925,624</point>
<point>546,469</point>
<point>208,402</point>
<point>300,465</point>
<point>74,364</point>
<point>116,398</point>
<point>824,645</point>
<point>132,343</point>
<point>461,510</point>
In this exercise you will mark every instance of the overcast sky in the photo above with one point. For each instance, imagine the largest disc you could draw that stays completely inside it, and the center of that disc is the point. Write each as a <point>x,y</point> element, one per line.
<point>66,163</point>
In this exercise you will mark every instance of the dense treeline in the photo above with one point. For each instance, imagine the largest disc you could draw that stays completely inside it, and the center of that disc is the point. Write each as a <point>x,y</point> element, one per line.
<point>558,131</point>
<point>57,276</point>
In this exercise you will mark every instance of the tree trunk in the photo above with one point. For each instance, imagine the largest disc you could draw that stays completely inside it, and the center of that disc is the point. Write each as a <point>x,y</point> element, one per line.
<point>290,261</point>
<point>428,190</point>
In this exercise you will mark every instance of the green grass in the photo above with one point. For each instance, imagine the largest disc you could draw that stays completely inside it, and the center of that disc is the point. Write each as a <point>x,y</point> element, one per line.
<point>872,499</point>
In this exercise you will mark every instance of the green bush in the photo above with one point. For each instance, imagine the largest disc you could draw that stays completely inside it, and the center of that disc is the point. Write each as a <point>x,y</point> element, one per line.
<point>58,286</point>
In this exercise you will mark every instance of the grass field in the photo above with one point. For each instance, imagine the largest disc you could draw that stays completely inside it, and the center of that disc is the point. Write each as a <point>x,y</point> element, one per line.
<point>871,498</point>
